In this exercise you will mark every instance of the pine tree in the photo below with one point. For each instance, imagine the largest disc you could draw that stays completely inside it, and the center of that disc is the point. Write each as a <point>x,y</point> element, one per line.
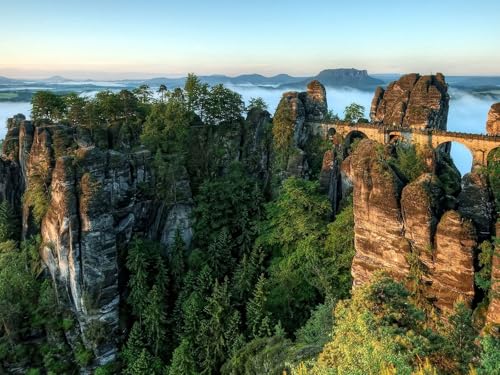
<point>218,330</point>
<point>137,263</point>
<point>177,260</point>
<point>135,344</point>
<point>142,365</point>
<point>219,254</point>
<point>182,360</point>
<point>161,277</point>
<point>246,274</point>
<point>7,226</point>
<point>462,335</point>
<point>155,319</point>
<point>258,320</point>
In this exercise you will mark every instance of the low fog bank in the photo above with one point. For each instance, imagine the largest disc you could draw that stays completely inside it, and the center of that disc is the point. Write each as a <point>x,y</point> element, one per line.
<point>9,109</point>
<point>467,113</point>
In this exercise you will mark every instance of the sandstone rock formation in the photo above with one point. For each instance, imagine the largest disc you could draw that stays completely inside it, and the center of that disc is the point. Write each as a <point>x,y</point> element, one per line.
<point>406,232</point>
<point>96,202</point>
<point>378,228</point>
<point>493,121</point>
<point>303,108</point>
<point>413,101</point>
<point>476,202</point>
<point>421,206</point>
<point>453,268</point>
<point>493,314</point>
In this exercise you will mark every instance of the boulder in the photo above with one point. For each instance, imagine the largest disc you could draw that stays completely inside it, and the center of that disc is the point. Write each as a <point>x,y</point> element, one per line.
<point>413,101</point>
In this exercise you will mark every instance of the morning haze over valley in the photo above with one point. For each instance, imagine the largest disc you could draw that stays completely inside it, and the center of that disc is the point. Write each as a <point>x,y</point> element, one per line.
<point>250,188</point>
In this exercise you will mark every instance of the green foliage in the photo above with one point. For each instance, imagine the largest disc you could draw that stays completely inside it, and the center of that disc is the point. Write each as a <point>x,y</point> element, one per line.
<point>37,196</point>
<point>183,362</point>
<point>407,161</point>
<point>46,105</point>
<point>377,328</point>
<point>461,336</point>
<point>218,335</point>
<point>155,319</point>
<point>257,103</point>
<point>490,356</point>
<point>232,201</point>
<point>166,127</point>
<point>311,261</point>
<point>353,112</point>
<point>265,355</point>
<point>483,276</point>
<point>493,172</point>
<point>222,106</point>
<point>283,129</point>
<point>258,319</point>
<point>83,356</point>
<point>8,220</point>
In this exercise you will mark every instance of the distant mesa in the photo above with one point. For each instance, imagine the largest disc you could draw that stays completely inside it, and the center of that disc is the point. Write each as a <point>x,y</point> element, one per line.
<point>353,78</point>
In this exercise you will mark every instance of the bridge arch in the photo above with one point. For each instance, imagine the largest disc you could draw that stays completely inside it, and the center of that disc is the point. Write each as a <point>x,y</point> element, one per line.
<point>352,137</point>
<point>464,158</point>
<point>493,156</point>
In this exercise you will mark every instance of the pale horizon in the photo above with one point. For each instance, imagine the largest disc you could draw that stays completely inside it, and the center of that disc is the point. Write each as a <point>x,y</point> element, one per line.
<point>98,40</point>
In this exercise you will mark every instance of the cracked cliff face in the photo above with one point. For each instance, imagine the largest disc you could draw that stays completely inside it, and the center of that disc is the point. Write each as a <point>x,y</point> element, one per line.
<point>493,121</point>
<point>394,224</point>
<point>95,204</point>
<point>413,101</point>
<point>305,108</point>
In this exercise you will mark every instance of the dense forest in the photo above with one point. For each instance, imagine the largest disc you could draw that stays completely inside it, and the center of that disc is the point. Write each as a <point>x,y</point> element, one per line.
<point>264,287</point>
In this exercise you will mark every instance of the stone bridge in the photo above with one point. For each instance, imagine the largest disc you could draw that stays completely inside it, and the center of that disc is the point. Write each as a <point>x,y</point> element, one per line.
<point>479,145</point>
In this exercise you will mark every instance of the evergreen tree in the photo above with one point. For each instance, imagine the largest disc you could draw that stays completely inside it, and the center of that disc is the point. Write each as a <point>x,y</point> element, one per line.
<point>137,264</point>
<point>177,260</point>
<point>461,336</point>
<point>134,346</point>
<point>155,319</point>
<point>218,330</point>
<point>7,222</point>
<point>219,256</point>
<point>258,319</point>
<point>246,274</point>
<point>182,360</point>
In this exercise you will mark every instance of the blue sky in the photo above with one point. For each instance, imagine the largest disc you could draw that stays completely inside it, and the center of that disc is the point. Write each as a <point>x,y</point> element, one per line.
<point>118,39</point>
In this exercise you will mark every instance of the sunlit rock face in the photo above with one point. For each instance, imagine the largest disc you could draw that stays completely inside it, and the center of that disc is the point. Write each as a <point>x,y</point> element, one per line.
<point>378,225</point>
<point>413,101</point>
<point>305,109</point>
<point>407,229</point>
<point>493,314</point>
<point>493,121</point>
<point>96,202</point>
<point>453,270</point>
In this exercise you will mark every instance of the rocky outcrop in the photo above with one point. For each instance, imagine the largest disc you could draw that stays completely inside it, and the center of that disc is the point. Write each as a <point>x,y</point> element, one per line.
<point>493,121</point>
<point>403,230</point>
<point>475,202</point>
<point>421,206</point>
<point>97,198</point>
<point>413,101</point>
<point>258,140</point>
<point>493,314</point>
<point>302,110</point>
<point>378,225</point>
<point>452,276</point>
<point>93,203</point>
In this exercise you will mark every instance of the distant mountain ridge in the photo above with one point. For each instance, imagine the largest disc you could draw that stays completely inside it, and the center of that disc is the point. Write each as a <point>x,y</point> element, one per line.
<point>330,77</point>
